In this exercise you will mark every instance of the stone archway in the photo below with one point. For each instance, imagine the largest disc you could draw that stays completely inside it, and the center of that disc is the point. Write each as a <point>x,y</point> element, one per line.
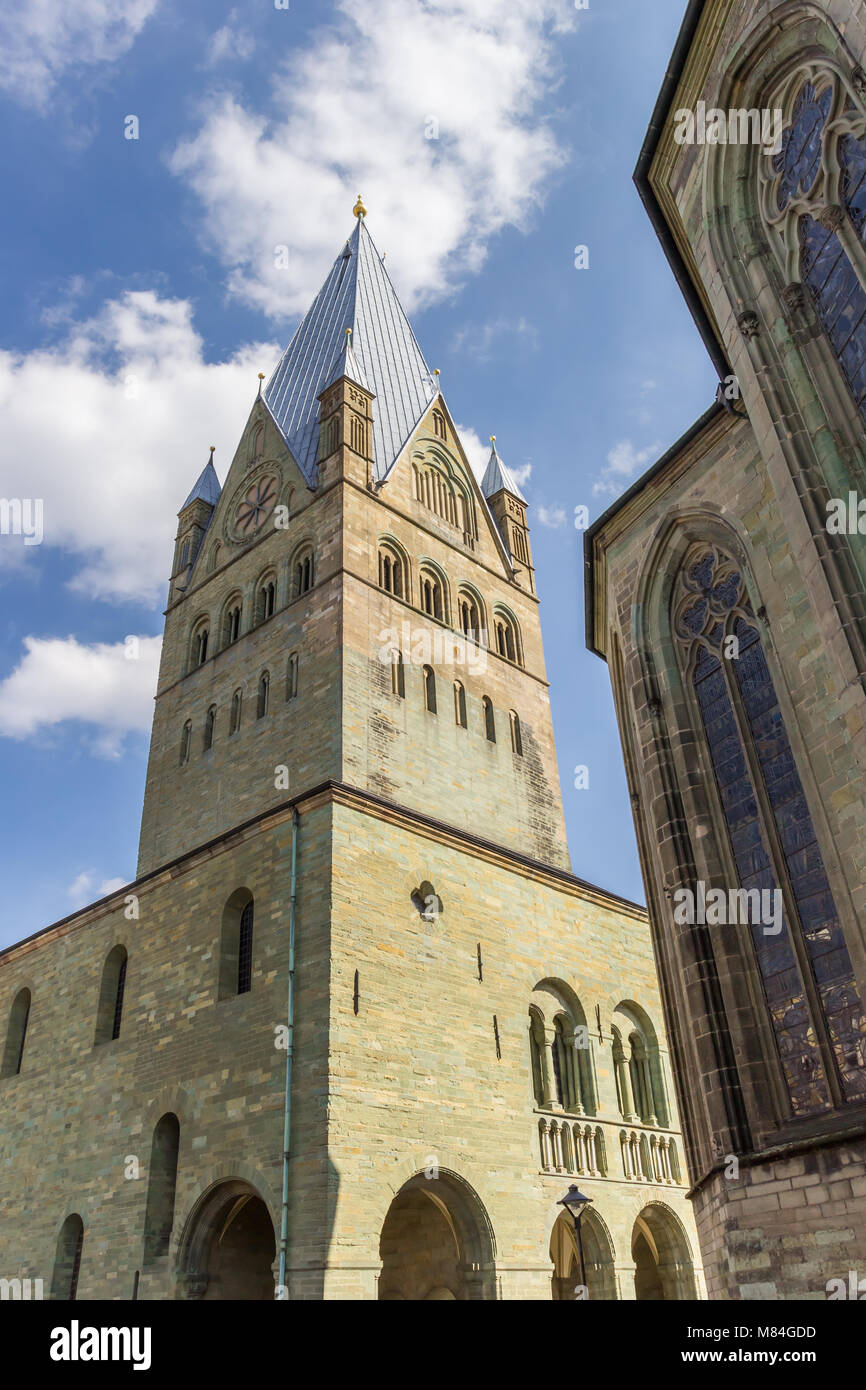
<point>598,1258</point>
<point>227,1248</point>
<point>664,1269</point>
<point>436,1242</point>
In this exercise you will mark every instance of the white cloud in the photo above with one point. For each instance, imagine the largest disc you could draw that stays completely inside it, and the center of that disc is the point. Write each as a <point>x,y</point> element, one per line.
<point>623,463</point>
<point>231,41</point>
<point>40,40</point>
<point>111,427</point>
<point>87,888</point>
<point>522,474</point>
<point>552,517</point>
<point>99,686</point>
<point>356,109</point>
<point>482,341</point>
<point>477,452</point>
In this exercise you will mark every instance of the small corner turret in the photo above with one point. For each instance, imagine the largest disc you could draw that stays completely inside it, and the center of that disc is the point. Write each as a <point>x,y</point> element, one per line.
<point>193,520</point>
<point>508,506</point>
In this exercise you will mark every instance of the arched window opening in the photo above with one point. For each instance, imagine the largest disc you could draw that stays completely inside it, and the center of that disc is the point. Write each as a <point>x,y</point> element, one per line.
<point>303,574</point>
<point>235,713</point>
<point>232,624</point>
<point>439,425</point>
<point>470,616</point>
<point>258,443</point>
<point>200,644</point>
<point>236,946</point>
<point>109,1013</point>
<point>641,1081</point>
<point>292,676</point>
<point>398,675</point>
<point>459,705</point>
<point>214,557</point>
<point>162,1182</point>
<point>489,719</point>
<point>391,572</point>
<point>507,638</point>
<point>16,1034</point>
<point>209,725</point>
<point>267,600</point>
<point>67,1260</point>
<point>432,595</point>
<point>813,1003</point>
<point>536,1049</point>
<point>185,742</point>
<point>264,695</point>
<point>516,735</point>
<point>429,690</point>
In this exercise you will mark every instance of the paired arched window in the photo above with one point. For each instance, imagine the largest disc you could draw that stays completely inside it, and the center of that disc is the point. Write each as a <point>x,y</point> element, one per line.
<point>392,572</point>
<point>813,1004</point>
<point>16,1034</point>
<point>429,689</point>
<point>516,735</point>
<point>185,742</point>
<point>302,572</point>
<point>235,712</point>
<point>433,595</point>
<point>232,622</point>
<point>459,704</point>
<point>489,719</point>
<point>200,639</point>
<point>439,428</point>
<point>109,1013</point>
<point>814,193</point>
<point>258,442</point>
<point>161,1185</point>
<point>398,675</point>
<point>559,1052</point>
<point>236,945</point>
<point>469,610</point>
<point>263,695</point>
<point>209,726</point>
<point>67,1260</point>
<point>267,599</point>
<point>507,636</point>
<point>292,676</point>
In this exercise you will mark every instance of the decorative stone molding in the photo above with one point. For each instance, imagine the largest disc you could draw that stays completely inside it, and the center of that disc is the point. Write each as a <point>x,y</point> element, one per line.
<point>794,297</point>
<point>858,82</point>
<point>832,217</point>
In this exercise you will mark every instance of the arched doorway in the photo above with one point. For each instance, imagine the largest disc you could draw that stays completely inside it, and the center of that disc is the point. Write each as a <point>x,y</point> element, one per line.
<point>663,1266</point>
<point>597,1257</point>
<point>436,1242</point>
<point>227,1249</point>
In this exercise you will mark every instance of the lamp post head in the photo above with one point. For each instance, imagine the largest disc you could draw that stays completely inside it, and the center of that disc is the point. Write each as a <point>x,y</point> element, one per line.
<point>574,1201</point>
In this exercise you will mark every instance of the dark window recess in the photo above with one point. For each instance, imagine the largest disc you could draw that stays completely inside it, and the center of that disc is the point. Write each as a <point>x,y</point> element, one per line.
<point>76,1263</point>
<point>496,1037</point>
<point>245,951</point>
<point>118,1000</point>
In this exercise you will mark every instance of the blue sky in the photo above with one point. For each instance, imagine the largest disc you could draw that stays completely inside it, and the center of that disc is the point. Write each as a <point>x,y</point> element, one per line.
<point>141,295</point>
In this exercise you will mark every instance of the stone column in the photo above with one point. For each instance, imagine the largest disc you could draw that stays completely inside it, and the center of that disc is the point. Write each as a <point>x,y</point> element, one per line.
<point>624,1079</point>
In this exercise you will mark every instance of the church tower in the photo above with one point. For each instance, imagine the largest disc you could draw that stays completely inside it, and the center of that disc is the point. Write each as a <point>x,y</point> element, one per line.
<point>353,605</point>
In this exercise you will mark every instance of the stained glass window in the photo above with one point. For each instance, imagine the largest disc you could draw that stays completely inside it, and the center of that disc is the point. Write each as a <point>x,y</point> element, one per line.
<point>839,300</point>
<point>799,159</point>
<point>245,951</point>
<point>737,698</point>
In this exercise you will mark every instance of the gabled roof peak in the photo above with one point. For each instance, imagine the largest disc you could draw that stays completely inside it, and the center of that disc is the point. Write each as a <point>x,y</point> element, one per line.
<point>383,357</point>
<point>498,477</point>
<point>207,488</point>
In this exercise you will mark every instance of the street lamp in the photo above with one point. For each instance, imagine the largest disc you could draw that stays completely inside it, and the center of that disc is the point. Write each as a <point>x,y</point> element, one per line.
<point>575,1202</point>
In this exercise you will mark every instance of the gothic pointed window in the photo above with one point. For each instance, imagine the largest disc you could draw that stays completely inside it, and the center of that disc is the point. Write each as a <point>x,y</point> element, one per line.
<point>489,719</point>
<point>429,690</point>
<point>814,199</point>
<point>811,995</point>
<point>292,676</point>
<point>16,1034</point>
<point>264,695</point>
<point>459,705</point>
<point>209,725</point>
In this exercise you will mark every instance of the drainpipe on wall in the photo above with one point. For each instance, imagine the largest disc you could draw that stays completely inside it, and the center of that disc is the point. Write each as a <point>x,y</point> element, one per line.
<point>287,1124</point>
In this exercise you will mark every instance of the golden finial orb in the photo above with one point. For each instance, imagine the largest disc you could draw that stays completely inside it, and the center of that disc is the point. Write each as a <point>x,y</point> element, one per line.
<point>493,439</point>
<point>359,210</point>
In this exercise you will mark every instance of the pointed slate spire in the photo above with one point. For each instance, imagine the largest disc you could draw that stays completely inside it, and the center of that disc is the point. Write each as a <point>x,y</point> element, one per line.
<point>346,364</point>
<point>498,477</point>
<point>357,294</point>
<point>207,489</point>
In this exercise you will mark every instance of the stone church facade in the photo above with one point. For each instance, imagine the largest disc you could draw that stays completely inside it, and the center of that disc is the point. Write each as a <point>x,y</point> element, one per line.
<point>726,592</point>
<point>355,1027</point>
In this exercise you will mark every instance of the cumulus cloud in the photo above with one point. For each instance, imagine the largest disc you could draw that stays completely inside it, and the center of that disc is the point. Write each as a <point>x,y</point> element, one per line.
<point>41,40</point>
<point>88,888</point>
<point>432,109</point>
<point>111,427</point>
<point>552,517</point>
<point>231,41</point>
<point>107,688</point>
<point>623,463</point>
